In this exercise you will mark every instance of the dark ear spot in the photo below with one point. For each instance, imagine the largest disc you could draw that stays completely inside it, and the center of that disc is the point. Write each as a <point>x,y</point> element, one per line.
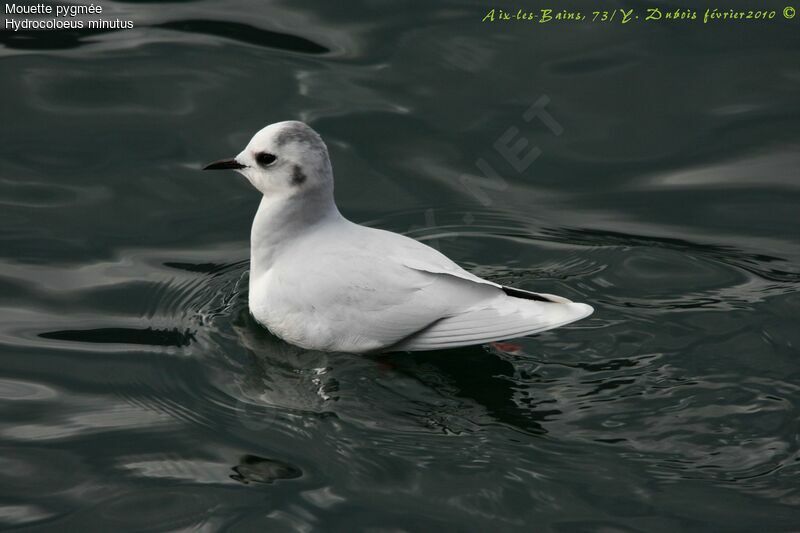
<point>298,176</point>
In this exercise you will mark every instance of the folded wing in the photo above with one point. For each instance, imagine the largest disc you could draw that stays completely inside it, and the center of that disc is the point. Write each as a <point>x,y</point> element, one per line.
<point>502,317</point>
<point>394,293</point>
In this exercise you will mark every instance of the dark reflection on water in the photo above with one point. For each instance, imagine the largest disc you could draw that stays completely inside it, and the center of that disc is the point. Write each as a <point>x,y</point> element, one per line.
<point>137,394</point>
<point>252,469</point>
<point>156,337</point>
<point>247,34</point>
<point>46,40</point>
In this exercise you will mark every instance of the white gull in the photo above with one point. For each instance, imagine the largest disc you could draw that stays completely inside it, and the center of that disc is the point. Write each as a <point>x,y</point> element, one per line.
<point>322,282</point>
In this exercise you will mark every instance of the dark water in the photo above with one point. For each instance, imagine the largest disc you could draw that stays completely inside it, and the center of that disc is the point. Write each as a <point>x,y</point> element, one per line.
<point>137,395</point>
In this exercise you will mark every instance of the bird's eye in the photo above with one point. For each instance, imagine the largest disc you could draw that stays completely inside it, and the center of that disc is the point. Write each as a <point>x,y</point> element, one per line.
<point>265,159</point>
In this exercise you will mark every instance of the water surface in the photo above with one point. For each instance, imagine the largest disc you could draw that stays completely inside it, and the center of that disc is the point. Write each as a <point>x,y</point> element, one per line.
<point>136,393</point>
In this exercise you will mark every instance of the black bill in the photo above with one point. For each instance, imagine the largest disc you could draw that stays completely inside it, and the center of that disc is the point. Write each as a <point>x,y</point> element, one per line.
<point>224,164</point>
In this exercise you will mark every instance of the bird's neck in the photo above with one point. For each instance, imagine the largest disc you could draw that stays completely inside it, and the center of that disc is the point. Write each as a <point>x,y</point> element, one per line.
<point>282,219</point>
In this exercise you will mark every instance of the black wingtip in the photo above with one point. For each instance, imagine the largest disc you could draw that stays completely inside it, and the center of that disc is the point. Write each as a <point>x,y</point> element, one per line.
<point>525,295</point>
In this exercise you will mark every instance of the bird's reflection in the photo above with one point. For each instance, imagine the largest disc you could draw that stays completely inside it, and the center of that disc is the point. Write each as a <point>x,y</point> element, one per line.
<point>474,380</point>
<point>282,375</point>
<point>478,375</point>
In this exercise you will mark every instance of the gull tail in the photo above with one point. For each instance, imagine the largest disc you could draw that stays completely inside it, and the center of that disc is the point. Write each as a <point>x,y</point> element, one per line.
<point>504,317</point>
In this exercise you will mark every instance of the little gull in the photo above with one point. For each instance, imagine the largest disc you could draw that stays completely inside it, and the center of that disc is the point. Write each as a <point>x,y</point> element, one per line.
<point>322,282</point>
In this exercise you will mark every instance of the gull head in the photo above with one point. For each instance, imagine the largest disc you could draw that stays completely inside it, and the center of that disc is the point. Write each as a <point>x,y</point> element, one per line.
<point>285,158</point>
